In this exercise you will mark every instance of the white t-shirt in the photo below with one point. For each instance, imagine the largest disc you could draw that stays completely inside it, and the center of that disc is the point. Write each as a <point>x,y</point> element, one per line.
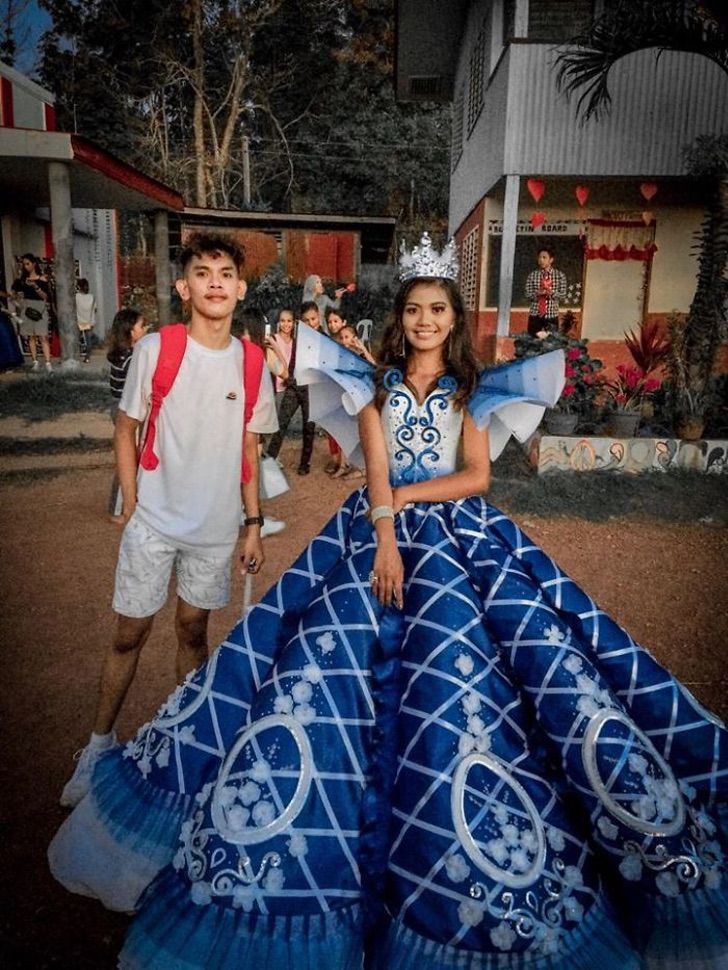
<point>193,496</point>
<point>85,309</point>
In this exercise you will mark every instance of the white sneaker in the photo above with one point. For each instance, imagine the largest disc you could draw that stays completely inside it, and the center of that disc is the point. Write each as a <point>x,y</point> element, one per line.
<point>35,365</point>
<point>271,526</point>
<point>79,783</point>
<point>49,367</point>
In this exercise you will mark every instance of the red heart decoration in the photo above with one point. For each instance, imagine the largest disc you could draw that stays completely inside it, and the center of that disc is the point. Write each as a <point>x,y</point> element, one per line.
<point>582,194</point>
<point>538,219</point>
<point>648,190</point>
<point>536,188</point>
<point>647,217</point>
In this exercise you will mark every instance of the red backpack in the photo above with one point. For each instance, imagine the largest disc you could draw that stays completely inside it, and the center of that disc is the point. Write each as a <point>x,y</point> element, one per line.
<point>173,342</point>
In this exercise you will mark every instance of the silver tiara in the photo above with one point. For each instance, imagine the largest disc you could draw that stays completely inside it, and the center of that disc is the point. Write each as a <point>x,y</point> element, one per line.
<point>424,261</point>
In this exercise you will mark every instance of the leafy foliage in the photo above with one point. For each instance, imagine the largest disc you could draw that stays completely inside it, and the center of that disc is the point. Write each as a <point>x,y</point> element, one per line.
<point>700,27</point>
<point>631,387</point>
<point>632,25</point>
<point>303,89</point>
<point>583,381</point>
<point>648,347</point>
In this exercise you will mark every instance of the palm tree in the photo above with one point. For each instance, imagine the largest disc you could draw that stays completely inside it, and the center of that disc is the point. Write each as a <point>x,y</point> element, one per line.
<point>693,26</point>
<point>697,27</point>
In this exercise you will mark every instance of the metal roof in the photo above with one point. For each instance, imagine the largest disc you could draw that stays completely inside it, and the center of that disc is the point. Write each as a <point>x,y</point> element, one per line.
<point>98,179</point>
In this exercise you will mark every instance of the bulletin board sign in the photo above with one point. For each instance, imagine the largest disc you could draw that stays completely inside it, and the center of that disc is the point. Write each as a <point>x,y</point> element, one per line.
<point>561,236</point>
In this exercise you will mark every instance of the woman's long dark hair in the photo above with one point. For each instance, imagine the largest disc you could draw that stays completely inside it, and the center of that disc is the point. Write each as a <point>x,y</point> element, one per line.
<point>25,273</point>
<point>120,333</point>
<point>460,359</point>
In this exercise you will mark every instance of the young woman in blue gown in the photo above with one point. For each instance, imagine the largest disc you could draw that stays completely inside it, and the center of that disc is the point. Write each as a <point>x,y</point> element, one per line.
<point>425,747</point>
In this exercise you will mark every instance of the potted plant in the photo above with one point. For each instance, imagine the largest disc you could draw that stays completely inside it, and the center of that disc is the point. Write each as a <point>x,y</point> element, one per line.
<point>582,385</point>
<point>649,349</point>
<point>628,392</point>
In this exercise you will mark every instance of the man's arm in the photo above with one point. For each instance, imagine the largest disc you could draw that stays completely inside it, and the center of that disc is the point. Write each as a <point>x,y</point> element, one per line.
<point>125,451</point>
<point>251,558</point>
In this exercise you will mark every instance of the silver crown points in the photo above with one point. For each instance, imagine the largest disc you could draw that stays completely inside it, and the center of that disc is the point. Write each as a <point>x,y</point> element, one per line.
<point>425,262</point>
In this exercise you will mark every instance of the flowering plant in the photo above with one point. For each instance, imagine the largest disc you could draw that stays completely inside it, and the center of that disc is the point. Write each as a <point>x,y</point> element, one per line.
<point>631,387</point>
<point>583,381</point>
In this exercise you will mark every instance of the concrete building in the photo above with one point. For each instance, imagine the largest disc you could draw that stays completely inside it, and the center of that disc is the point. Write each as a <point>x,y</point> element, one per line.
<point>59,194</point>
<point>612,195</point>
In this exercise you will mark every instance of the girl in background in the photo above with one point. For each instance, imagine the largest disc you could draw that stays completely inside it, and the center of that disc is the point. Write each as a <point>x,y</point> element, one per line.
<point>338,466</point>
<point>31,292</point>
<point>126,328</point>
<point>348,338</point>
<point>85,317</point>
<point>279,347</point>
<point>313,290</point>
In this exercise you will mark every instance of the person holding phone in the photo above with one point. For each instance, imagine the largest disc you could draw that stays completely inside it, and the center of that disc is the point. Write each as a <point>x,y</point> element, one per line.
<point>31,292</point>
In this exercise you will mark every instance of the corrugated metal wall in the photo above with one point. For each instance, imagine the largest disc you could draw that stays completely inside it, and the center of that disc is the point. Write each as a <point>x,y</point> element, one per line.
<point>658,108</point>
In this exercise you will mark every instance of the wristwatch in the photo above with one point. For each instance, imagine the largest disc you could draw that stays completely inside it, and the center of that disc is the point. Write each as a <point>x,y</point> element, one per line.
<point>253,520</point>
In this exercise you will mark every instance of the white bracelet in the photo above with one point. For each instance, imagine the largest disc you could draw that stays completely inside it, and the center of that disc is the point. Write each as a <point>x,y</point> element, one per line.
<point>381,512</point>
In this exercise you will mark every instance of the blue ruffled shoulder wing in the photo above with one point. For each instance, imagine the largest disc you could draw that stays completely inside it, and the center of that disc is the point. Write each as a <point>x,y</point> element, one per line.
<point>340,384</point>
<point>510,399</point>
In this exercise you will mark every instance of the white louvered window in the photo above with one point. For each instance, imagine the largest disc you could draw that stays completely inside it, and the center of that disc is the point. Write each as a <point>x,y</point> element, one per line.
<point>469,256</point>
<point>456,149</point>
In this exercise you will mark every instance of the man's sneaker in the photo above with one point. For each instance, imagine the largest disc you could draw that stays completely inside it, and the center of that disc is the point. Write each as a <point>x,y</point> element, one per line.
<point>271,526</point>
<point>80,782</point>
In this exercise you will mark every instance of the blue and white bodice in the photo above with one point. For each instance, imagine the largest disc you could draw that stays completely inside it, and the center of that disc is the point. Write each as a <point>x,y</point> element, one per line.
<point>422,437</point>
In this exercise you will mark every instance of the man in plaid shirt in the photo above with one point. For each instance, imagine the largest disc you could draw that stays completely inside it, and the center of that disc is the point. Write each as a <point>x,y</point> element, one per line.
<point>545,289</point>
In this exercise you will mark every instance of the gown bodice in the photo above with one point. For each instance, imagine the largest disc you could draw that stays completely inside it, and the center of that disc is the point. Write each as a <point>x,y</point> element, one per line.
<point>422,437</point>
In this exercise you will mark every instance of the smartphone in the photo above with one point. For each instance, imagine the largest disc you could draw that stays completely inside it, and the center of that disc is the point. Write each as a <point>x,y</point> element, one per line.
<point>267,330</point>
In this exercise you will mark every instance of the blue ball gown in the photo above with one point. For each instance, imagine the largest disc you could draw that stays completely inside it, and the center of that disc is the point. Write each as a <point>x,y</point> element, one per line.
<point>495,776</point>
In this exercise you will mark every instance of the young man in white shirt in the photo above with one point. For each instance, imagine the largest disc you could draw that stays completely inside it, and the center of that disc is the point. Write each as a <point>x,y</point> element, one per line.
<point>185,513</point>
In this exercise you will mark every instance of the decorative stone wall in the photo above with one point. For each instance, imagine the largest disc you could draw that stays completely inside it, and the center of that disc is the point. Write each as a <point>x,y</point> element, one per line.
<point>549,453</point>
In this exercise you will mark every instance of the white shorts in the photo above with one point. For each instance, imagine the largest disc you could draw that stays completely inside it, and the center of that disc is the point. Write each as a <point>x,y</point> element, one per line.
<point>145,567</point>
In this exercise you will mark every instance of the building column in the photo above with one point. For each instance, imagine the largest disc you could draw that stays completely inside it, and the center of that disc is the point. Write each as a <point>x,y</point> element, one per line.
<point>59,183</point>
<point>520,26</point>
<point>508,255</point>
<point>161,264</point>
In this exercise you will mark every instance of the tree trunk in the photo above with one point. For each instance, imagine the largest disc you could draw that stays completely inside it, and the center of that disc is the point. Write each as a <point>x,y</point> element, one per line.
<point>703,327</point>
<point>198,125</point>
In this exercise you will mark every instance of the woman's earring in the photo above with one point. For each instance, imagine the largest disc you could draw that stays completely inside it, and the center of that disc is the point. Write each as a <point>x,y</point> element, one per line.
<point>404,345</point>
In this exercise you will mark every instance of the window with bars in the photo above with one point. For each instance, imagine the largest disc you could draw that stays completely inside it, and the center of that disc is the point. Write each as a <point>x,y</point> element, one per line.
<point>476,79</point>
<point>469,255</point>
<point>456,148</point>
<point>558,20</point>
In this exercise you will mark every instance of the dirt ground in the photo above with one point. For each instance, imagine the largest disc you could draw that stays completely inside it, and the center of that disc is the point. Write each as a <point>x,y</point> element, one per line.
<point>665,583</point>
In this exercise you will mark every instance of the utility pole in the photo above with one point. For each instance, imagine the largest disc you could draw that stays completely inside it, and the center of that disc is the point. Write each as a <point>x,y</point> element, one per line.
<point>246,171</point>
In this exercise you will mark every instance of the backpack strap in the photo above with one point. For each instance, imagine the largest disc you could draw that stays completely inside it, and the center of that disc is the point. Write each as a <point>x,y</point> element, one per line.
<point>252,372</point>
<point>173,341</point>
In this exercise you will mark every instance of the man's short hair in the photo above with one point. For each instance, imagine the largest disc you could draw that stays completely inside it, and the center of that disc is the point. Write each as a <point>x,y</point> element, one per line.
<point>546,249</point>
<point>310,305</point>
<point>212,243</point>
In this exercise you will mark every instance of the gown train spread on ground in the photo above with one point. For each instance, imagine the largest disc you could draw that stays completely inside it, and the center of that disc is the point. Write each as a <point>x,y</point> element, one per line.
<point>494,776</point>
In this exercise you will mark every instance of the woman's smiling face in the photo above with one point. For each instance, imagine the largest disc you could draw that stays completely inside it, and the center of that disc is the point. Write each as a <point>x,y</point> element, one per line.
<point>428,316</point>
